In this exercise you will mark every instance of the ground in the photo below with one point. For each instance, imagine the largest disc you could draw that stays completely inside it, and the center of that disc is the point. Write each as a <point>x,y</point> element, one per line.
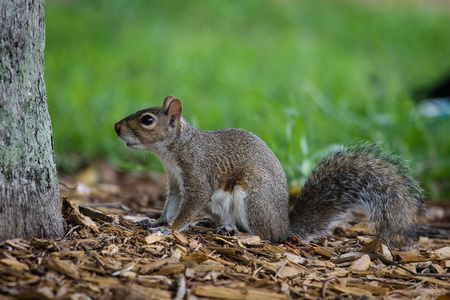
<point>104,256</point>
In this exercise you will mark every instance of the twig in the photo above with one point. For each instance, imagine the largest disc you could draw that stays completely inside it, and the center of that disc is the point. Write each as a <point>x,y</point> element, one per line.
<point>110,205</point>
<point>98,260</point>
<point>388,261</point>
<point>70,232</point>
<point>118,272</point>
<point>325,283</point>
<point>372,235</point>
<point>281,268</point>
<point>325,249</point>
<point>125,228</point>
<point>64,185</point>
<point>399,293</point>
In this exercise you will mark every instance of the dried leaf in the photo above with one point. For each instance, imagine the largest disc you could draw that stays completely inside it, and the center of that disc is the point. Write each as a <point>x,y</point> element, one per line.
<point>361,264</point>
<point>384,251</point>
<point>290,271</point>
<point>372,246</point>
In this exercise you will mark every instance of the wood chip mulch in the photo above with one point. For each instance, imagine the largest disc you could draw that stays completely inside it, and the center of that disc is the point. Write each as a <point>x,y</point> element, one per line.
<point>104,256</point>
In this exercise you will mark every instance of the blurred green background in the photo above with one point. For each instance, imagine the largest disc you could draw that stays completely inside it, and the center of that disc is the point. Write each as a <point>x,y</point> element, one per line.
<point>303,75</point>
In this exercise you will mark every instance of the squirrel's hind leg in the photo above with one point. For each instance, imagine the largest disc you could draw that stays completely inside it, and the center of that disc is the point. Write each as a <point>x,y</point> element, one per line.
<point>228,229</point>
<point>268,209</point>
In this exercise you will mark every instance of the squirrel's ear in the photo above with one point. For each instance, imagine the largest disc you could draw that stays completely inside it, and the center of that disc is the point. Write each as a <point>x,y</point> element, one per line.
<point>167,101</point>
<point>174,112</point>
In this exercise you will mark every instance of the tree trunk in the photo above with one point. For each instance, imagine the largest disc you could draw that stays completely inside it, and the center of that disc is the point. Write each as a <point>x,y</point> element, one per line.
<point>30,204</point>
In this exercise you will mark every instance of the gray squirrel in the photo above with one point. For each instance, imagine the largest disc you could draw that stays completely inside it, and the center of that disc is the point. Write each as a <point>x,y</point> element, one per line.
<point>232,177</point>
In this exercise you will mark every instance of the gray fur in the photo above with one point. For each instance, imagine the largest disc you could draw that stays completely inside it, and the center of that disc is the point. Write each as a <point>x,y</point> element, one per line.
<point>237,166</point>
<point>362,177</point>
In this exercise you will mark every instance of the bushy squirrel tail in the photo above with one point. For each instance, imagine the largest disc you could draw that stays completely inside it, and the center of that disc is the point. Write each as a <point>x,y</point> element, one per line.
<point>362,177</point>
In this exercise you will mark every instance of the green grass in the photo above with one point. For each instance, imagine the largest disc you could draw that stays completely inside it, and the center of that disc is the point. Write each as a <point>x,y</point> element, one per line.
<point>303,75</point>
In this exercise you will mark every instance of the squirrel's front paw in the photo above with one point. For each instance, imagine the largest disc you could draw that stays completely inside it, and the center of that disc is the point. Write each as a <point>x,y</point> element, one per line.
<point>205,223</point>
<point>228,229</point>
<point>152,226</point>
<point>162,229</point>
<point>146,224</point>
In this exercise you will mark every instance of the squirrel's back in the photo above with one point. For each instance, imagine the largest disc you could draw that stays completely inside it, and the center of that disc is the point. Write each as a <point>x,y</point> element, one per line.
<point>229,149</point>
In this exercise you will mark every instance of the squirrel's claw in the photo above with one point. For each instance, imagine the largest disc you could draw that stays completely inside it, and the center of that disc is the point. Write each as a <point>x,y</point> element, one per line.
<point>228,229</point>
<point>161,229</point>
<point>146,223</point>
<point>152,226</point>
<point>205,223</point>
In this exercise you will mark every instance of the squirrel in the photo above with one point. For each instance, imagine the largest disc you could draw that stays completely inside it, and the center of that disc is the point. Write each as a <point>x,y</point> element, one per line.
<point>233,177</point>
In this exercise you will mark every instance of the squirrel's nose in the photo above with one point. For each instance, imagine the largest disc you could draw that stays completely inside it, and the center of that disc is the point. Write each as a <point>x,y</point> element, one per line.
<point>117,127</point>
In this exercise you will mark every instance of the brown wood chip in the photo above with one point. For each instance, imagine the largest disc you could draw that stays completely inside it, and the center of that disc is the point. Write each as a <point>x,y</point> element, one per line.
<point>104,256</point>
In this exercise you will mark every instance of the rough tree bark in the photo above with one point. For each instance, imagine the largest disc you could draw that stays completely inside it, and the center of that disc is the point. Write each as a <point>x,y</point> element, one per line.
<point>30,204</point>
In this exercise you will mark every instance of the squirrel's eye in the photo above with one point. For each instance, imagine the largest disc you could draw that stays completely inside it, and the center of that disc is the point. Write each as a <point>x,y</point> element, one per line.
<point>147,120</point>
